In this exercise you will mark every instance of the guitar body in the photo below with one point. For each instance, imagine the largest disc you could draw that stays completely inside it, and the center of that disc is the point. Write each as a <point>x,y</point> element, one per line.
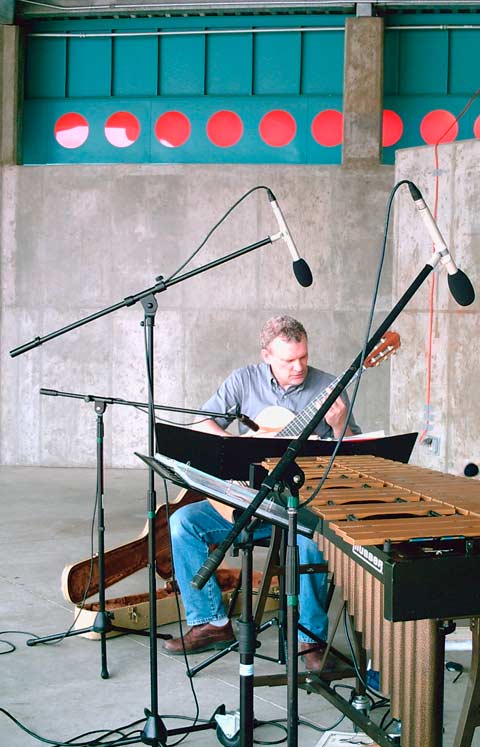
<point>272,420</point>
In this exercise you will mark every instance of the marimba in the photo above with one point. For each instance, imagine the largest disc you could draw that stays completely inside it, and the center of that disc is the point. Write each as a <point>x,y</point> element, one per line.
<point>403,544</point>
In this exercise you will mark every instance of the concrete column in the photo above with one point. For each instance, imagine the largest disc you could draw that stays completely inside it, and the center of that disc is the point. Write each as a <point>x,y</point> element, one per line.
<point>9,93</point>
<point>363,91</point>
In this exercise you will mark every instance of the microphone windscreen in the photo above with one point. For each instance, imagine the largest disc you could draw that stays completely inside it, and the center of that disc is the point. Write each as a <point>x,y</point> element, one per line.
<point>461,288</point>
<point>302,272</point>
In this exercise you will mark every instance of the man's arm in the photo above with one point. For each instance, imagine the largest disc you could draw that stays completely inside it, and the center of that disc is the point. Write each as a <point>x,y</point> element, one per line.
<point>210,426</point>
<point>227,397</point>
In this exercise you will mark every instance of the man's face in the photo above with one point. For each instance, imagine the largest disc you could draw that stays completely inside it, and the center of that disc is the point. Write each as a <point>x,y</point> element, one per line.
<point>288,360</point>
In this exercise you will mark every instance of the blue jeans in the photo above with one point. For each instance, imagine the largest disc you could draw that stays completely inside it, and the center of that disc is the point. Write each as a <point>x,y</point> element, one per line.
<point>196,526</point>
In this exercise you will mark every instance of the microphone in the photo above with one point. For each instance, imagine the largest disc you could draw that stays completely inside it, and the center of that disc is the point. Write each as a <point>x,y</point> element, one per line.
<point>460,286</point>
<point>246,421</point>
<point>300,268</point>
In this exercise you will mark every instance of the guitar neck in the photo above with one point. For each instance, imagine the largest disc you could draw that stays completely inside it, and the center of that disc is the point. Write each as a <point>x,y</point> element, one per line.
<point>389,343</point>
<point>296,426</point>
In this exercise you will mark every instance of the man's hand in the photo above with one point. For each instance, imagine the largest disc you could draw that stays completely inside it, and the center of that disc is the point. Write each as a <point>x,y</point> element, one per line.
<point>336,417</point>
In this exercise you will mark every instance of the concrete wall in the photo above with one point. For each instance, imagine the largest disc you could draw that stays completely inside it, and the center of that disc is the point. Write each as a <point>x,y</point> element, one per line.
<point>455,403</point>
<point>76,239</point>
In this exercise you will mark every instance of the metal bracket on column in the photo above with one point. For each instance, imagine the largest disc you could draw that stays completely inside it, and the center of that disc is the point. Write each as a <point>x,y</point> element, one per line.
<point>364,9</point>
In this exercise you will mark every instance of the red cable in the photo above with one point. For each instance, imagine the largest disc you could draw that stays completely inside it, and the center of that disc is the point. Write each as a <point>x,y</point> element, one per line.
<point>431,309</point>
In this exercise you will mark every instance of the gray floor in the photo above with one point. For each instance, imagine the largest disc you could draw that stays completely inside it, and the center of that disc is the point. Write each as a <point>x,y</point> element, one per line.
<point>56,691</point>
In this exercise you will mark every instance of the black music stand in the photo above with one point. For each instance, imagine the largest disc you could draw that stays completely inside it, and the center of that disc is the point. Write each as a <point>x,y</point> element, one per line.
<point>102,623</point>
<point>231,456</point>
<point>240,497</point>
<point>236,496</point>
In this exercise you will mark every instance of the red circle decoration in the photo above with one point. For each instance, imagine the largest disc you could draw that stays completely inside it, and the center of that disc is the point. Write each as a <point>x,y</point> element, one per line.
<point>438,126</point>
<point>327,128</point>
<point>392,128</point>
<point>277,128</point>
<point>476,127</point>
<point>71,130</point>
<point>122,129</point>
<point>173,129</point>
<point>224,129</point>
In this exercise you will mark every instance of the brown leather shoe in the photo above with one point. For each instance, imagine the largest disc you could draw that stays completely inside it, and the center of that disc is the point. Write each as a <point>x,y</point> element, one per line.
<point>201,638</point>
<point>313,655</point>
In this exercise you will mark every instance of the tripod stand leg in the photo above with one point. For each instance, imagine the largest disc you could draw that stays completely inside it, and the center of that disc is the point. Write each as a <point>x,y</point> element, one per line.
<point>101,619</point>
<point>244,720</point>
<point>102,622</point>
<point>246,647</point>
<point>292,590</point>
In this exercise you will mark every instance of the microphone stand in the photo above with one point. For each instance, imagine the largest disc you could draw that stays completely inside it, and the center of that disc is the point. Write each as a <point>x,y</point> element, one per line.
<point>272,481</point>
<point>154,732</point>
<point>102,623</point>
<point>237,415</point>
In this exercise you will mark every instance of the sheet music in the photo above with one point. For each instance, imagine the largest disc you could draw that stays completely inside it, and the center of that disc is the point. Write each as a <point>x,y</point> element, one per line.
<point>230,492</point>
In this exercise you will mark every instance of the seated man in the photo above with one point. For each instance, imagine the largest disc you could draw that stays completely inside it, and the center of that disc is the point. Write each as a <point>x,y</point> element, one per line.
<point>284,379</point>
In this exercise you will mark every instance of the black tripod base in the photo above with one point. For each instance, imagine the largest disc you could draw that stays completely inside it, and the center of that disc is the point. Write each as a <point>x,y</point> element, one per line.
<point>102,625</point>
<point>154,731</point>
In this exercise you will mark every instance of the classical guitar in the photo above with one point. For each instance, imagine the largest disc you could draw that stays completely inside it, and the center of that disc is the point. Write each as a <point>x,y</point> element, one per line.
<point>282,423</point>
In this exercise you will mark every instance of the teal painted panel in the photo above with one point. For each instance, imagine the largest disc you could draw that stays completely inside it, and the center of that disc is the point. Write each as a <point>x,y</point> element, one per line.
<point>423,62</point>
<point>37,132</point>
<point>412,111</point>
<point>40,145</point>
<point>316,153</point>
<point>89,67</point>
<point>391,51</point>
<point>229,64</point>
<point>277,58</point>
<point>290,70</point>
<point>250,148</point>
<point>135,66</point>
<point>46,66</point>
<point>182,66</point>
<point>322,62</point>
<point>42,115</point>
<point>464,61</point>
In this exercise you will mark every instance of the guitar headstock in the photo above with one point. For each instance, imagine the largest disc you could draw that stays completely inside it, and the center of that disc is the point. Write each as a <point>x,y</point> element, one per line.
<point>387,346</point>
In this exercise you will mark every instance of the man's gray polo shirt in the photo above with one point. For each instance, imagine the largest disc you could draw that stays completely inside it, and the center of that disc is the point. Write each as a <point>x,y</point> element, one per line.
<point>253,388</point>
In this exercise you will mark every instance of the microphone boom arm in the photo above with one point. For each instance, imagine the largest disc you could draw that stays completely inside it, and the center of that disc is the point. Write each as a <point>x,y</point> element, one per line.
<point>159,287</point>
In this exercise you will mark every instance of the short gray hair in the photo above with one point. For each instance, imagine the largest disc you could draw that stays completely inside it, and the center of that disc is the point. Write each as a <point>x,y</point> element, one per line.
<point>281,326</point>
